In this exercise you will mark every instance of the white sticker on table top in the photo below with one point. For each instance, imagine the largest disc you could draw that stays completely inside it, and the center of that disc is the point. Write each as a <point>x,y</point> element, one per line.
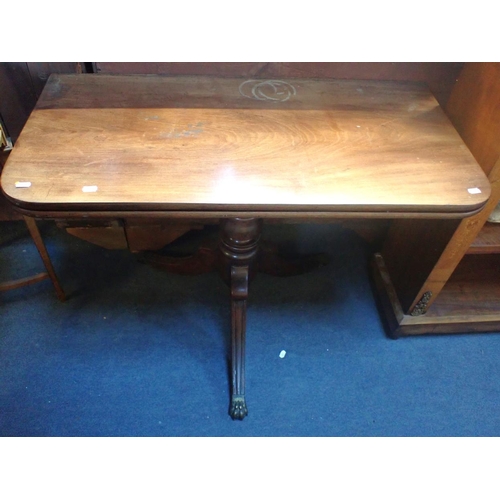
<point>89,189</point>
<point>22,184</point>
<point>474,190</point>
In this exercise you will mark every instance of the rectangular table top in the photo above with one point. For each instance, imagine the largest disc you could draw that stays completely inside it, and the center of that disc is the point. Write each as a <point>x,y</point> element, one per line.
<point>206,144</point>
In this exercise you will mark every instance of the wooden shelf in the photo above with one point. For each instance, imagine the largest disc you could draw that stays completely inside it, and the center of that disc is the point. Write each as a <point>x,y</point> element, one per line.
<point>488,240</point>
<point>472,290</point>
<point>469,303</point>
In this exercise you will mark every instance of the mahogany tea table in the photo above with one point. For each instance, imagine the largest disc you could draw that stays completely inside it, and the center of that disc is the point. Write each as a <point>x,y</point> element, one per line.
<point>243,152</point>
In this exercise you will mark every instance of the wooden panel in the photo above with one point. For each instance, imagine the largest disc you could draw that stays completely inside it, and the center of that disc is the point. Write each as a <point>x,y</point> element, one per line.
<point>411,250</point>
<point>199,143</point>
<point>440,77</point>
<point>421,72</point>
<point>18,96</point>
<point>147,235</point>
<point>107,233</point>
<point>180,68</point>
<point>474,109</point>
<point>112,237</point>
<point>136,235</point>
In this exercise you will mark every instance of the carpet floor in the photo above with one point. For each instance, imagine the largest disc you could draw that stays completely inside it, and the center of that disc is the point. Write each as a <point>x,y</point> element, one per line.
<point>135,351</point>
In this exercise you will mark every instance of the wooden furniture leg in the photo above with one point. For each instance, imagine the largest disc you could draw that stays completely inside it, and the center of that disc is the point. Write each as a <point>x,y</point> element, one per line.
<point>42,250</point>
<point>239,295</point>
<point>269,260</point>
<point>238,245</point>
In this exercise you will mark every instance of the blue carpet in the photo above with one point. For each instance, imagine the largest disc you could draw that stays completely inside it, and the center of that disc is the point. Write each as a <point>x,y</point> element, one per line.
<point>139,352</point>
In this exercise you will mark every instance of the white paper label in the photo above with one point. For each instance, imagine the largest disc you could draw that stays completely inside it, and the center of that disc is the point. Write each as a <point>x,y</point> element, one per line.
<point>89,189</point>
<point>26,184</point>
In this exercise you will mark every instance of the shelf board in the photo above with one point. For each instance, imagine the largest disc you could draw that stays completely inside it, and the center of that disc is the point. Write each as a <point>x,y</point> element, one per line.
<point>488,240</point>
<point>473,289</point>
<point>469,302</point>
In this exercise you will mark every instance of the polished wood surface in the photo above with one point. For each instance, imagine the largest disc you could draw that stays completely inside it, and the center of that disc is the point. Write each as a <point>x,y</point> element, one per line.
<point>439,76</point>
<point>148,143</point>
<point>474,110</point>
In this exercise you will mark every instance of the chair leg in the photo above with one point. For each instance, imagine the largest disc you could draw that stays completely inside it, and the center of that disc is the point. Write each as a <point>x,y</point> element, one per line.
<point>40,245</point>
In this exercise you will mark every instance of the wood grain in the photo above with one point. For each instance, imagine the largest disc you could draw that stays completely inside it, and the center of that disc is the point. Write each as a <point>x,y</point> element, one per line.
<point>474,108</point>
<point>205,144</point>
<point>439,76</point>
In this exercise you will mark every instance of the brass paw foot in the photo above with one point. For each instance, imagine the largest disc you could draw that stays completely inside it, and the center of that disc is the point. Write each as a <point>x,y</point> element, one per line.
<point>238,410</point>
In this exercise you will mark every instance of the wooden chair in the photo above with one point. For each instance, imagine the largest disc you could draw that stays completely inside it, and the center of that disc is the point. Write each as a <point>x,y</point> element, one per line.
<point>50,273</point>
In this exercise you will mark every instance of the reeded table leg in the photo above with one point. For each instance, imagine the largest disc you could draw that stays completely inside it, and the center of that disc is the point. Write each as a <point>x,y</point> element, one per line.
<point>238,245</point>
<point>239,294</point>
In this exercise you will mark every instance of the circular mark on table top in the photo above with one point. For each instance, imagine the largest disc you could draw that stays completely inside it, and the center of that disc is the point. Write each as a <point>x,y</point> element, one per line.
<point>267,90</point>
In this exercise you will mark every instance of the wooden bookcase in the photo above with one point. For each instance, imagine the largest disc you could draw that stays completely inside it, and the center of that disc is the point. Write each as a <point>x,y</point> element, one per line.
<point>460,290</point>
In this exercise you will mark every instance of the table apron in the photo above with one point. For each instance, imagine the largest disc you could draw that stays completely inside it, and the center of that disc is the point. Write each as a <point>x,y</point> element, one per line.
<point>298,216</point>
